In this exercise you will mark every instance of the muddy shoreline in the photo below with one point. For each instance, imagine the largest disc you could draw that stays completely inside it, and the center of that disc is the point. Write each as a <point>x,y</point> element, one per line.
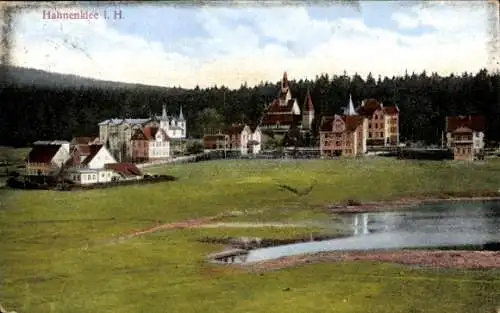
<point>353,206</point>
<point>251,243</point>
<point>479,260</point>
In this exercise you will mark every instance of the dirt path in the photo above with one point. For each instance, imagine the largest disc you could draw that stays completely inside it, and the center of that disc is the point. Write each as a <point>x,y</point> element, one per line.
<point>436,259</point>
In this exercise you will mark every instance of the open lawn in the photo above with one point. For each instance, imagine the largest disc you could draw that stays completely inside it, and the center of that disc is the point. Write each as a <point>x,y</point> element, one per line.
<point>55,256</point>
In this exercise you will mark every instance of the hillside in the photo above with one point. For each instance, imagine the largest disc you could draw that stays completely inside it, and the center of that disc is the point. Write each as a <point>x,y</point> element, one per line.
<point>13,75</point>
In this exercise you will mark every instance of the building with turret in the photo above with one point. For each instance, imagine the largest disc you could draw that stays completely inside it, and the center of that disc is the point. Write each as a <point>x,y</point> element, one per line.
<point>284,111</point>
<point>116,133</point>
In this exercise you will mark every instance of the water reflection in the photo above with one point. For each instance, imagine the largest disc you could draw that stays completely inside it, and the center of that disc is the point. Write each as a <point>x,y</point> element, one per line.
<point>430,225</point>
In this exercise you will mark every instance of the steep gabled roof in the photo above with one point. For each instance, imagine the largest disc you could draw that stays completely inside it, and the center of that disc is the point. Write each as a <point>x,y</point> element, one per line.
<point>275,107</point>
<point>82,140</point>
<point>282,119</point>
<point>308,104</point>
<point>476,123</point>
<point>234,129</point>
<point>93,150</point>
<point>42,153</point>
<point>124,169</point>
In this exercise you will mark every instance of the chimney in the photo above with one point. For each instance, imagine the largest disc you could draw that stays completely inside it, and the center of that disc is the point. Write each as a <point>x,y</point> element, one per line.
<point>363,103</point>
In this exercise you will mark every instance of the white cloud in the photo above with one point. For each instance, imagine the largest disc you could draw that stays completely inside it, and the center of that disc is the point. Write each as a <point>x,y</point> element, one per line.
<point>234,54</point>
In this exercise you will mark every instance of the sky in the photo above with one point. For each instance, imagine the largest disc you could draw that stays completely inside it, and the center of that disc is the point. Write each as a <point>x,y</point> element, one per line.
<point>223,44</point>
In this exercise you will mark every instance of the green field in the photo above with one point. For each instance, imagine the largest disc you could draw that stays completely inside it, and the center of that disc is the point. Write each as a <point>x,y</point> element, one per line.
<point>56,257</point>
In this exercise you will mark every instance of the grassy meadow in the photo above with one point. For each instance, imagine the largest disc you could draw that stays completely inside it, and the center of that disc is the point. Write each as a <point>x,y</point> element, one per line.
<point>57,257</point>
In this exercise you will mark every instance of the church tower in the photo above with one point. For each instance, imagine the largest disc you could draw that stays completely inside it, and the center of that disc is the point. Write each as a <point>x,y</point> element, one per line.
<point>164,119</point>
<point>308,113</point>
<point>181,122</point>
<point>285,94</point>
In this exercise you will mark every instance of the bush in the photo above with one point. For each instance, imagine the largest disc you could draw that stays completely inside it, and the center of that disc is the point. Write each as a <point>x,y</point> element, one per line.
<point>194,148</point>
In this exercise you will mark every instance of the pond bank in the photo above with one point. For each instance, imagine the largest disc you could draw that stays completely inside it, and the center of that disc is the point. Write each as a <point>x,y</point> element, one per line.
<point>437,259</point>
<point>251,243</point>
<point>353,206</point>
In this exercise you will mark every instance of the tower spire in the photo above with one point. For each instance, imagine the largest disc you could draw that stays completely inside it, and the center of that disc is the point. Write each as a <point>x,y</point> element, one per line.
<point>181,116</point>
<point>350,107</point>
<point>308,105</point>
<point>284,81</point>
<point>164,112</point>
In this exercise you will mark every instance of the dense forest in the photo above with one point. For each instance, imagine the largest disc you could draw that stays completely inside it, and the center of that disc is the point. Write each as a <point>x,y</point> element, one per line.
<point>32,112</point>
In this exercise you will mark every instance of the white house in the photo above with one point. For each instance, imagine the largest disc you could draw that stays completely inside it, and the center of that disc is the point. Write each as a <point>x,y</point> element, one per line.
<point>98,157</point>
<point>256,138</point>
<point>474,123</point>
<point>244,138</point>
<point>150,143</point>
<point>84,176</point>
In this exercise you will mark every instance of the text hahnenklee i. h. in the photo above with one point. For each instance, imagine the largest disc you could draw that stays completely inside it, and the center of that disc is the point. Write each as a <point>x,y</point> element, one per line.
<point>115,14</point>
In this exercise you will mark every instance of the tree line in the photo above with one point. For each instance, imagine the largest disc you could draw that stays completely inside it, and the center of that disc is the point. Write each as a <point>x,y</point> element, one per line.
<point>32,113</point>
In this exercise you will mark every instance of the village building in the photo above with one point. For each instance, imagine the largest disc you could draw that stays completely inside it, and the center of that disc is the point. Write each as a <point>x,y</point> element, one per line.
<point>216,142</point>
<point>284,112</point>
<point>87,164</point>
<point>150,143</point>
<point>465,136</point>
<point>47,158</point>
<point>343,135</point>
<point>117,133</point>
<point>383,123</point>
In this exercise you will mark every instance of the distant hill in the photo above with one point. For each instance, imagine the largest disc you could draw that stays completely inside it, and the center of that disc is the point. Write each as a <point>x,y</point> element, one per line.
<point>13,75</point>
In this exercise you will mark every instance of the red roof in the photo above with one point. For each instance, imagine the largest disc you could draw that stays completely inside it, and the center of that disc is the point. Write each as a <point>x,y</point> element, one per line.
<point>124,169</point>
<point>351,122</point>
<point>275,107</point>
<point>369,107</point>
<point>308,105</point>
<point>283,119</point>
<point>83,149</point>
<point>476,123</point>
<point>42,153</point>
<point>82,140</point>
<point>391,110</point>
<point>234,129</point>
<point>327,123</point>
<point>462,130</point>
<point>93,150</point>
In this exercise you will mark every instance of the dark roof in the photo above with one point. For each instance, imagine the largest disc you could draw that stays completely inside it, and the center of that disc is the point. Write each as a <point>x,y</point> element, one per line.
<point>327,123</point>
<point>42,153</point>
<point>124,169</point>
<point>476,123</point>
<point>148,133</point>
<point>93,150</point>
<point>308,105</point>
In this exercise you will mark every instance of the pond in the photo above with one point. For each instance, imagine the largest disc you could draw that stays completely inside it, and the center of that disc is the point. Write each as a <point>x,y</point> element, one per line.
<point>444,224</point>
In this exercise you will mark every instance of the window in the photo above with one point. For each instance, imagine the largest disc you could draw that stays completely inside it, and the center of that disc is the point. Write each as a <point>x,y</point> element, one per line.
<point>369,135</point>
<point>381,134</point>
<point>94,176</point>
<point>88,177</point>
